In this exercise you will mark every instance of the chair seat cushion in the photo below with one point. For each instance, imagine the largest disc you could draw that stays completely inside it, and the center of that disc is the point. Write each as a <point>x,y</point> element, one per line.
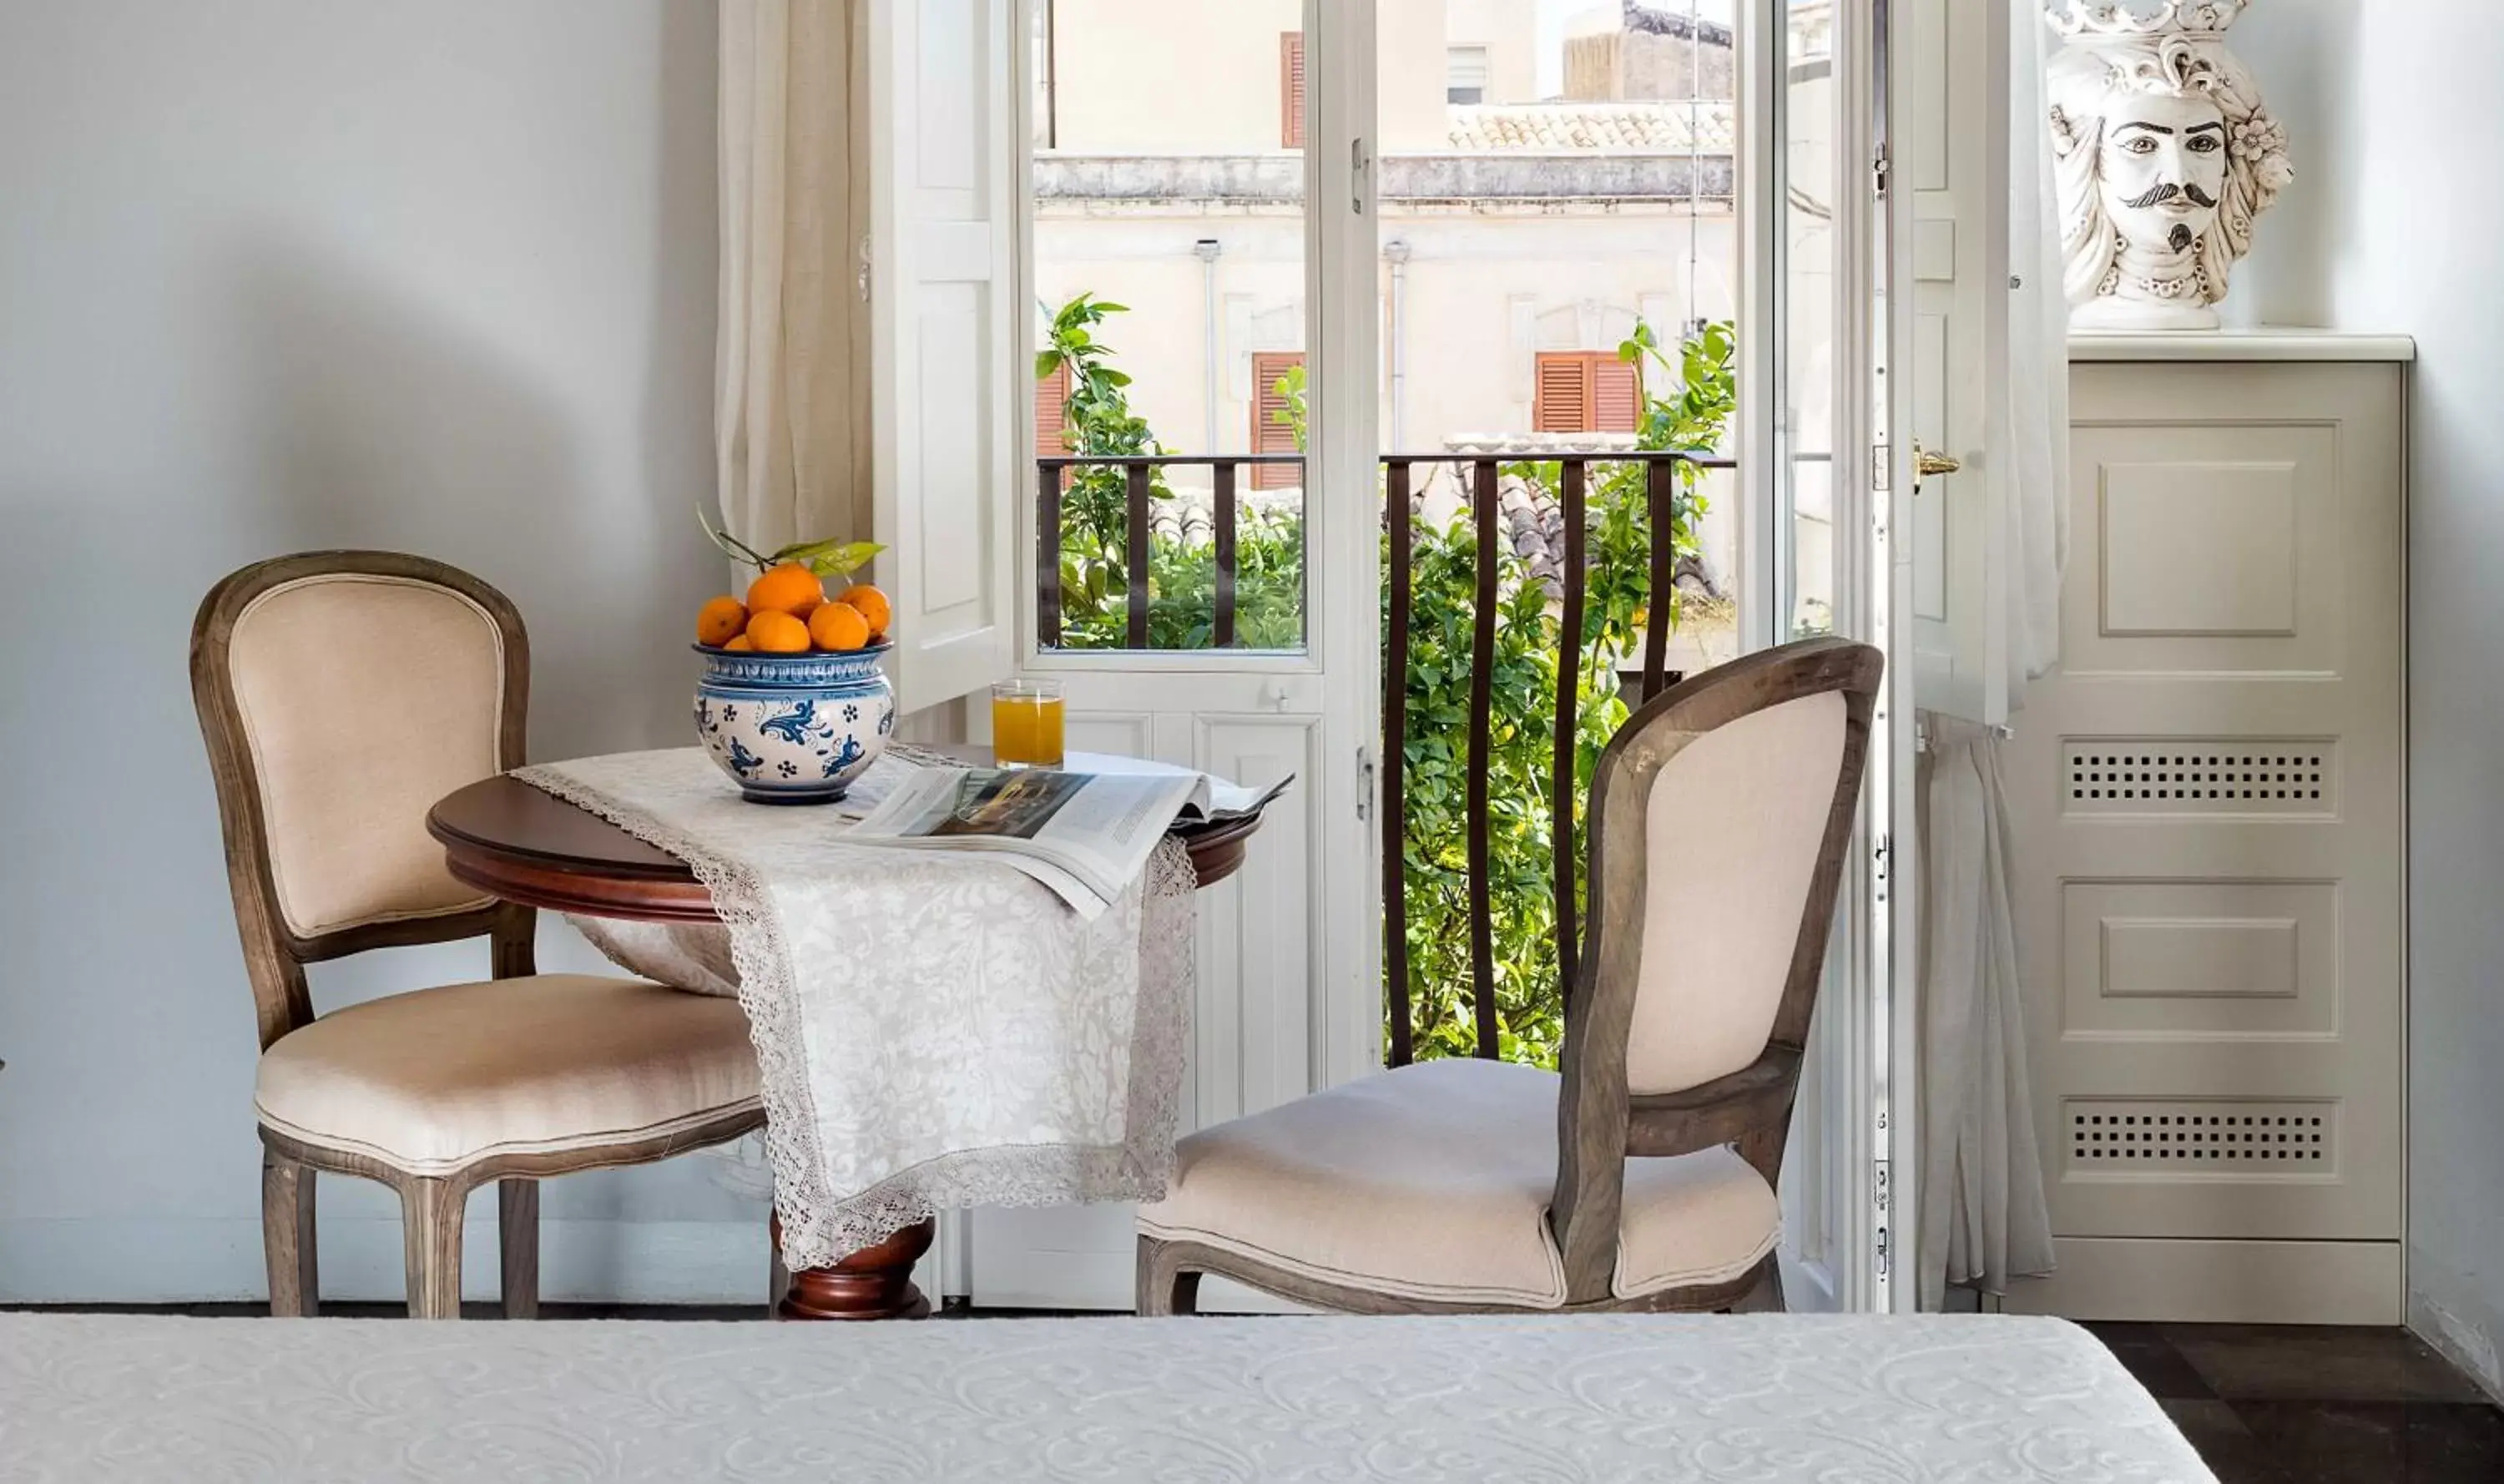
<point>436,1079</point>
<point>1431,1183</point>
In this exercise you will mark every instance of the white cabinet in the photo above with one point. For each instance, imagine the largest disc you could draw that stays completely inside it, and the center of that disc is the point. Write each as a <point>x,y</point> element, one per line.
<point>2207,799</point>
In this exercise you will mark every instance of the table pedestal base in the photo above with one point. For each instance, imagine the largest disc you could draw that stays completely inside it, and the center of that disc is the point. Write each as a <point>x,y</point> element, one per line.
<point>873,1283</point>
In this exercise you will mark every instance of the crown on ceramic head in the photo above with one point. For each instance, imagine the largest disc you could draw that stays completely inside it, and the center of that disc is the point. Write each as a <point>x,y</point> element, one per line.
<point>2099,18</point>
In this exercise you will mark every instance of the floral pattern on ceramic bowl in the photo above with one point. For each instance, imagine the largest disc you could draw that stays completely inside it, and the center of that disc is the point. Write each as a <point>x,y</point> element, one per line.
<point>794,728</point>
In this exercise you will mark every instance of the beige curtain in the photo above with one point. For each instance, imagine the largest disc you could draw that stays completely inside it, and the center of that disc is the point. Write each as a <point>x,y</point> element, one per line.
<point>791,376</point>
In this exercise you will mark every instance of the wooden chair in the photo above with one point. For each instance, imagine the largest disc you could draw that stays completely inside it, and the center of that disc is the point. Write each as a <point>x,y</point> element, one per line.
<point>1641,1178</point>
<point>341,694</point>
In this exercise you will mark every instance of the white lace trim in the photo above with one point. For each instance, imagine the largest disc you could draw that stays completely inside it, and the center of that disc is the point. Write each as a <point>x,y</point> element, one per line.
<point>827,1210</point>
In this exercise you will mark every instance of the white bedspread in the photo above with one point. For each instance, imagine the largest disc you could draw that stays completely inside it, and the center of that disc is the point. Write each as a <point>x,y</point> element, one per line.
<point>1763,1399</point>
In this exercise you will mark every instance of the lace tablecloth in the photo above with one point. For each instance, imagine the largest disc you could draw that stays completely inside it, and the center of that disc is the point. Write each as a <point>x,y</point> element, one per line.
<point>934,1030</point>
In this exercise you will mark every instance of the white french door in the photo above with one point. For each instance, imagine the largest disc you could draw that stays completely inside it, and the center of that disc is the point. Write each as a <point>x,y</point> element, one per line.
<point>1289,997</point>
<point>1941,564</point>
<point>1816,414</point>
<point>1290,994</point>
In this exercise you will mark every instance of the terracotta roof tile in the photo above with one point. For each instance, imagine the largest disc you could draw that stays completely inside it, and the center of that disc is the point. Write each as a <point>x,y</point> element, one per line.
<point>1627,128</point>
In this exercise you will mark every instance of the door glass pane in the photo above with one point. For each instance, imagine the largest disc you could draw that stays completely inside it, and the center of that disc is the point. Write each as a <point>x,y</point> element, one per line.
<point>1170,251</point>
<point>1810,182</point>
<point>1559,273</point>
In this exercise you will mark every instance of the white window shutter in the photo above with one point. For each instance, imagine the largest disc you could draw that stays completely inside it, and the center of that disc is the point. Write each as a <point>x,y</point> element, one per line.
<point>946,396</point>
<point>1955,177</point>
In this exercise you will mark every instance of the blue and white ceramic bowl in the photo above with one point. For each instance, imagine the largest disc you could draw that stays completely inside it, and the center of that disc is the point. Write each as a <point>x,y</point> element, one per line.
<point>794,728</point>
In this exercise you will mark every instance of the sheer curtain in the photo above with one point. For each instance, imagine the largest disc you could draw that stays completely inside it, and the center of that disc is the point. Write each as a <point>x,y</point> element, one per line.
<point>792,428</point>
<point>1984,1217</point>
<point>792,387</point>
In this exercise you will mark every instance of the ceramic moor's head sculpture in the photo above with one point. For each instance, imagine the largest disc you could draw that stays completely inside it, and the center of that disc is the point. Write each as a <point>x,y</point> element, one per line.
<point>2164,155</point>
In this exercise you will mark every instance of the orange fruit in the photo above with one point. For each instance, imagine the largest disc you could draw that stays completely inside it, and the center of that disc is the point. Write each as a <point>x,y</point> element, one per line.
<point>739,645</point>
<point>788,589</point>
<point>722,620</point>
<point>773,633</point>
<point>839,626</point>
<point>872,604</point>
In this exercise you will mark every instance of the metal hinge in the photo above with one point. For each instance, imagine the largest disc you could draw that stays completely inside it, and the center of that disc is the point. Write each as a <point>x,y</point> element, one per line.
<point>1365,783</point>
<point>1359,160</point>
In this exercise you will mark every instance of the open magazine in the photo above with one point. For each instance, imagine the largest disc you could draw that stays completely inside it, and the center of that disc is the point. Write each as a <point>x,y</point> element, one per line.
<point>1086,829</point>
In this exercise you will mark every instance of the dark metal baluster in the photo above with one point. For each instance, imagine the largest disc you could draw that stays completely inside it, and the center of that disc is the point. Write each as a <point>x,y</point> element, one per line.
<point>1135,556</point>
<point>1569,679</point>
<point>1394,768</point>
<point>1482,503</point>
<point>1660,500</point>
<point>1224,638</point>
<point>1047,552</point>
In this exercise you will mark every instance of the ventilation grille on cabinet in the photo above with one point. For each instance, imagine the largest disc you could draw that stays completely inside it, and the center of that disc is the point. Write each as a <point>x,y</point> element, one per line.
<point>2198,777</point>
<point>2235,1137</point>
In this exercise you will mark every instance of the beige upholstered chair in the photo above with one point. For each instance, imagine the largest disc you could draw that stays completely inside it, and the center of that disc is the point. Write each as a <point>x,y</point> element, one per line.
<point>1642,1177</point>
<point>341,694</point>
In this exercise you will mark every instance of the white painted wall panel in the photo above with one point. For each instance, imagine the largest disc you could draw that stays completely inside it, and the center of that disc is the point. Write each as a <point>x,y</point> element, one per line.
<point>2209,834</point>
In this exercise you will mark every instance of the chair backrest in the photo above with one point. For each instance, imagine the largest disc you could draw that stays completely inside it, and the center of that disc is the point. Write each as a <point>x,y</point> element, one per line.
<point>1720,815</point>
<point>341,694</point>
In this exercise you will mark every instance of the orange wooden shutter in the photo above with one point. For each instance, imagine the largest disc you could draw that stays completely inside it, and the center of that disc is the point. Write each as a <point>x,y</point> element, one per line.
<point>1291,89</point>
<point>1563,401</point>
<point>1051,414</point>
<point>1616,394</point>
<point>1269,433</point>
<point>1586,392</point>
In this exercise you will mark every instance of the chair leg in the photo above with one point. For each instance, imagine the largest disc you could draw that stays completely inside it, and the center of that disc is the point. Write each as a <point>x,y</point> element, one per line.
<point>1165,1288</point>
<point>430,1219</point>
<point>287,1237</point>
<point>1767,1296</point>
<point>517,1231</point>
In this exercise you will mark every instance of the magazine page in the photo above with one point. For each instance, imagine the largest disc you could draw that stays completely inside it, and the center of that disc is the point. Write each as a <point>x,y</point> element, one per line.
<point>1223,800</point>
<point>1090,831</point>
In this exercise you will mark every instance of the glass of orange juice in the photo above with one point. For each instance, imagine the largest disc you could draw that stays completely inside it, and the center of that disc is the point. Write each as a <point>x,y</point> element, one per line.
<point>1026,723</point>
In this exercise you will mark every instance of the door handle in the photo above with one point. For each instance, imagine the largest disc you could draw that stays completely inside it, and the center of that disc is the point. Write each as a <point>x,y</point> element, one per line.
<point>1930,465</point>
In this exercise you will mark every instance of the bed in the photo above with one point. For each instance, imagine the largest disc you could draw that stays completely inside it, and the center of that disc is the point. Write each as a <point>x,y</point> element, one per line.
<point>1758,1398</point>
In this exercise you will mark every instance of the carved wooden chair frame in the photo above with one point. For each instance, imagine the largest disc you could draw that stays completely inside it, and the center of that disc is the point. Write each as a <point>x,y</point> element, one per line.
<point>274,959</point>
<point>1600,1122</point>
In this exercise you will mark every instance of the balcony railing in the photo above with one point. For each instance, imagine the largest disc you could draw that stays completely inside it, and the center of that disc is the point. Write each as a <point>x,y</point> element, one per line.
<point>1139,474</point>
<point>1482,474</point>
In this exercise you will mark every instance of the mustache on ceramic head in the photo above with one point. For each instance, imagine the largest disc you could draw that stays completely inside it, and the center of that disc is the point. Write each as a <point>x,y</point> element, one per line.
<point>2166,190</point>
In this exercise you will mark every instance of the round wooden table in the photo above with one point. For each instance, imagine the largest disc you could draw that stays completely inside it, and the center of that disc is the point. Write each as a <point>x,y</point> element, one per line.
<point>523,845</point>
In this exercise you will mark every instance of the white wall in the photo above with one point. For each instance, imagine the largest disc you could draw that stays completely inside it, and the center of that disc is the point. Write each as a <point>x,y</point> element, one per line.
<point>2302,52</point>
<point>2414,250</point>
<point>279,274</point>
<point>2392,226</point>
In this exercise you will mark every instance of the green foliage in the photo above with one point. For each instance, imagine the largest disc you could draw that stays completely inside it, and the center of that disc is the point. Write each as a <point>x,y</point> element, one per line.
<point>1095,506</point>
<point>1690,397</point>
<point>1520,789</point>
<point>1294,390</point>
<point>1529,633</point>
<point>1094,523</point>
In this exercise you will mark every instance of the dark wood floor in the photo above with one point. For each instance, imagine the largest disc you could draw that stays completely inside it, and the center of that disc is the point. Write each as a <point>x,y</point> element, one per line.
<point>2270,1405</point>
<point>2264,1405</point>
